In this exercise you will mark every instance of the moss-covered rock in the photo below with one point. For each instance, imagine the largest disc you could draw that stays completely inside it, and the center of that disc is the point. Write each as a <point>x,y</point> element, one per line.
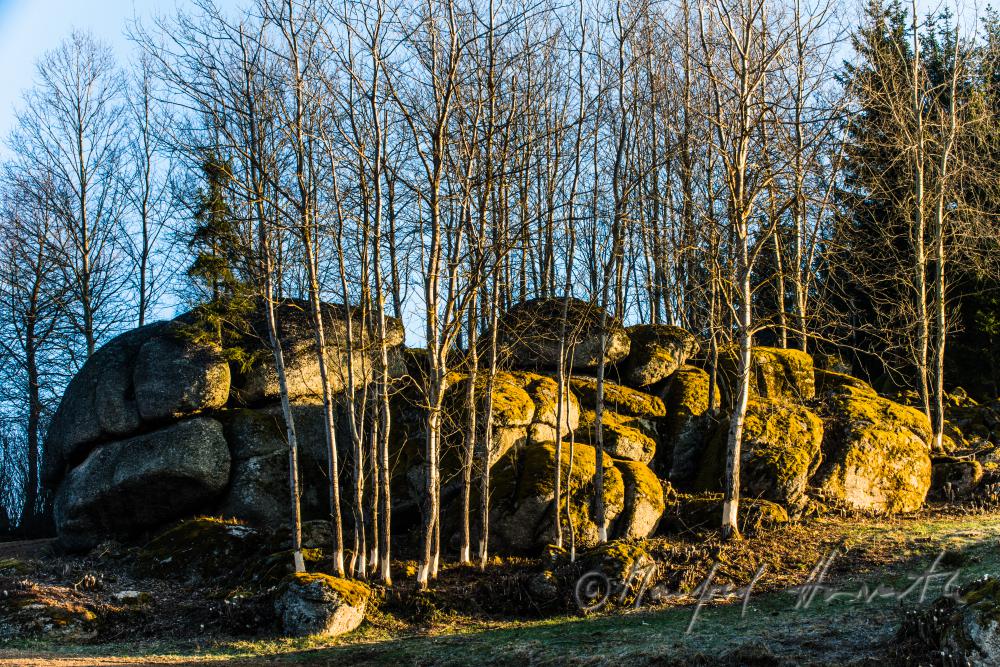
<point>544,393</point>
<point>685,429</point>
<point>618,398</point>
<point>318,604</point>
<point>828,381</point>
<point>524,495</point>
<point>952,477</point>
<point>531,332</point>
<point>624,437</point>
<point>512,406</point>
<point>644,503</point>
<point>961,627</point>
<point>200,548</point>
<point>512,413</point>
<point>624,561</point>
<point>977,423</point>
<point>774,373</point>
<point>268,571</point>
<point>657,350</point>
<point>523,498</point>
<point>876,453</point>
<point>701,513</point>
<point>779,452</point>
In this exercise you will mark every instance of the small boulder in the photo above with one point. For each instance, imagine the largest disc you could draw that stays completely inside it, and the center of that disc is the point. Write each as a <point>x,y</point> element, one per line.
<point>531,333</point>
<point>953,478</point>
<point>317,604</point>
<point>656,351</point>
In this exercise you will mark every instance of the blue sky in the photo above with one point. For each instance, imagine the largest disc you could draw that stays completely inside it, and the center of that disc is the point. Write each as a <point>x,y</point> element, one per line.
<point>28,28</point>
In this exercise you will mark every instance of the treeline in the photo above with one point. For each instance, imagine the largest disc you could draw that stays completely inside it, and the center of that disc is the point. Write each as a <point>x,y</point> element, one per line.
<point>712,165</point>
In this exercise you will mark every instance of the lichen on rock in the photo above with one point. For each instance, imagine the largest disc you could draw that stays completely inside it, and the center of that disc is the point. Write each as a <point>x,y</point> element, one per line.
<point>780,450</point>
<point>876,453</point>
<point>531,333</point>
<point>774,373</point>
<point>657,350</point>
<point>618,398</point>
<point>524,495</point>
<point>624,437</point>
<point>318,604</point>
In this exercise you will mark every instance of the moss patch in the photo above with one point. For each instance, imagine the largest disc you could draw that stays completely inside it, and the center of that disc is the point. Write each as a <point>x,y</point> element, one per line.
<point>353,593</point>
<point>624,437</point>
<point>618,398</point>
<point>774,373</point>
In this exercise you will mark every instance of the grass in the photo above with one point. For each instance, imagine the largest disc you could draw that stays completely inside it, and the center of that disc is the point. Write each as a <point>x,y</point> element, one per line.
<point>890,552</point>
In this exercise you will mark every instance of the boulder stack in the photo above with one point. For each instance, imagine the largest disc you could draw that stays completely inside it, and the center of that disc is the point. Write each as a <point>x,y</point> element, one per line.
<point>159,425</point>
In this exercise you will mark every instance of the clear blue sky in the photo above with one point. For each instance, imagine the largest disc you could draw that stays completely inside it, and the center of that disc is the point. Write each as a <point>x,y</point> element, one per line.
<point>29,28</point>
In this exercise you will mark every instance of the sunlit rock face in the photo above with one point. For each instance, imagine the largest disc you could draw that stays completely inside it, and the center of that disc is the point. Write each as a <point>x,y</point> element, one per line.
<point>165,422</point>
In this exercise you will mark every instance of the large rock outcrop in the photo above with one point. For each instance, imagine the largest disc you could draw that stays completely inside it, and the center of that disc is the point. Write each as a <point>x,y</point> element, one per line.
<point>159,425</point>
<point>531,333</point>
<point>154,426</point>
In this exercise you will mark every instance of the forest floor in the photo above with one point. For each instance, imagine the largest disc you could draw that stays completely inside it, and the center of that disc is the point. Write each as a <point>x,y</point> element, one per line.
<point>881,570</point>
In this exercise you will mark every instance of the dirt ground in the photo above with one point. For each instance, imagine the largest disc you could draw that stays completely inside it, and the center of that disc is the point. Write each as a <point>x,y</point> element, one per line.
<point>496,617</point>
